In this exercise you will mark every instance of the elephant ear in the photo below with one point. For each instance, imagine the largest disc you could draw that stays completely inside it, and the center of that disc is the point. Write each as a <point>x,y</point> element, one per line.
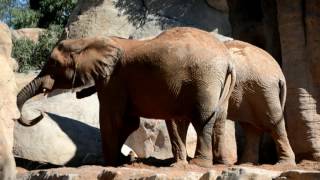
<point>93,58</point>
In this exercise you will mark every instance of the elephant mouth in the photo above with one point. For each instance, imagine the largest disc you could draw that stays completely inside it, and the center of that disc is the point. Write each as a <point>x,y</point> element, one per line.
<point>47,85</point>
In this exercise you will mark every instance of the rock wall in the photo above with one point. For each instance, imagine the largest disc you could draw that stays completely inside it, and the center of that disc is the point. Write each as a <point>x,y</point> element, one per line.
<point>289,32</point>
<point>299,27</point>
<point>142,18</point>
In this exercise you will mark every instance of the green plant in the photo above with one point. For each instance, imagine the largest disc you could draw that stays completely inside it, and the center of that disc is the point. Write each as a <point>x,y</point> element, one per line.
<point>35,13</point>
<point>24,18</point>
<point>47,41</point>
<point>30,55</point>
<point>52,11</point>
<point>22,51</point>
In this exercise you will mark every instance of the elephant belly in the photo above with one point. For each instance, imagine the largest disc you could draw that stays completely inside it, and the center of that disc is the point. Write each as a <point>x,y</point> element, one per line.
<point>153,109</point>
<point>163,94</point>
<point>241,108</point>
<point>154,102</point>
<point>251,110</point>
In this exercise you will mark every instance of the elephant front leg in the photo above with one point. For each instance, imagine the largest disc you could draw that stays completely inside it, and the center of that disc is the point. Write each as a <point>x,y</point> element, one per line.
<point>177,130</point>
<point>114,132</point>
<point>131,123</point>
<point>110,136</point>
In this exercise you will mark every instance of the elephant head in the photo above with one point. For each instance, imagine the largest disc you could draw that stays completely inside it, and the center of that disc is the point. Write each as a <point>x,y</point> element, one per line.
<point>72,64</point>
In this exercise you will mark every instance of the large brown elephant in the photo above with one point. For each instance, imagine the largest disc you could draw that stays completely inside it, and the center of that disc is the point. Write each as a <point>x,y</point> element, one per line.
<point>182,74</point>
<point>257,103</point>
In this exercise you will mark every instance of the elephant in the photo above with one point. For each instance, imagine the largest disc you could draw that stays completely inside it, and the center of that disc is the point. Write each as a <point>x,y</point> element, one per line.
<point>182,74</point>
<point>257,103</point>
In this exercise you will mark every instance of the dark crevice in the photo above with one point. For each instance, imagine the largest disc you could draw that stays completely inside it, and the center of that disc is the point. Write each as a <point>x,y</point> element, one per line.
<point>255,21</point>
<point>303,10</point>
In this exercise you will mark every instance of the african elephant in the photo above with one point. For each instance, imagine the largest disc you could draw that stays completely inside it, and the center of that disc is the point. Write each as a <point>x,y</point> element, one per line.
<point>257,103</point>
<point>181,74</point>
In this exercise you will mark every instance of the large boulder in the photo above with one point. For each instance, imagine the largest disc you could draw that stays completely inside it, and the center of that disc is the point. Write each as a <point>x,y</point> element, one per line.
<point>141,18</point>
<point>8,108</point>
<point>152,140</point>
<point>8,112</point>
<point>68,134</point>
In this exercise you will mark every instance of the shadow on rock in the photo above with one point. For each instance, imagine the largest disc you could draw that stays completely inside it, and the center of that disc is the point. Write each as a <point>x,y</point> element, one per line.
<point>86,138</point>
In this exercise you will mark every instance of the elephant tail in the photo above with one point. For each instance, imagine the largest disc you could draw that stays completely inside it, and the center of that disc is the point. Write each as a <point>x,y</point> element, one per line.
<point>228,85</point>
<point>283,93</point>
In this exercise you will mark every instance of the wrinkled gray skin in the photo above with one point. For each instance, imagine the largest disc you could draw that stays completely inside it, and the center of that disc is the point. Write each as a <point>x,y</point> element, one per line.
<point>257,103</point>
<point>183,74</point>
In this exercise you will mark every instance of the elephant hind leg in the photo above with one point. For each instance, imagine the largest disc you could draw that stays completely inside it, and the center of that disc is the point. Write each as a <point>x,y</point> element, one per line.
<point>223,145</point>
<point>285,153</point>
<point>206,140</point>
<point>177,130</point>
<point>278,131</point>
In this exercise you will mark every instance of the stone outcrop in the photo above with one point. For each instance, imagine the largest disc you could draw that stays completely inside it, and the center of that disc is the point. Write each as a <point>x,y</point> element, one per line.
<point>8,108</point>
<point>68,134</point>
<point>28,33</point>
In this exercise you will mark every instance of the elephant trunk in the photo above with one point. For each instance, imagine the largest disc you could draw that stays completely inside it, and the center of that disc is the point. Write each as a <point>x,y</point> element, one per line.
<point>30,90</point>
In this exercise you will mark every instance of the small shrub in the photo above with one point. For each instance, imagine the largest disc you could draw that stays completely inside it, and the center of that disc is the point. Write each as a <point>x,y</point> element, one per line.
<point>22,51</point>
<point>32,56</point>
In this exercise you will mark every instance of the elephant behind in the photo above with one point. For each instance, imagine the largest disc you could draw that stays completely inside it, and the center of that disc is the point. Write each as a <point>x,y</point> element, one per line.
<point>257,103</point>
<point>182,74</point>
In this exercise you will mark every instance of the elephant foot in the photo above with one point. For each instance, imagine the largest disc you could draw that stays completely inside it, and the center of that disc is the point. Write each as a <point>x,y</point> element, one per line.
<point>316,156</point>
<point>131,158</point>
<point>286,162</point>
<point>201,162</point>
<point>248,162</point>
<point>180,164</point>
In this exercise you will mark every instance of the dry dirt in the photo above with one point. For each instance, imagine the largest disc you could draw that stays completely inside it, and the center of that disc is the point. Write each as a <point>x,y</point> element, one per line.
<point>162,166</point>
